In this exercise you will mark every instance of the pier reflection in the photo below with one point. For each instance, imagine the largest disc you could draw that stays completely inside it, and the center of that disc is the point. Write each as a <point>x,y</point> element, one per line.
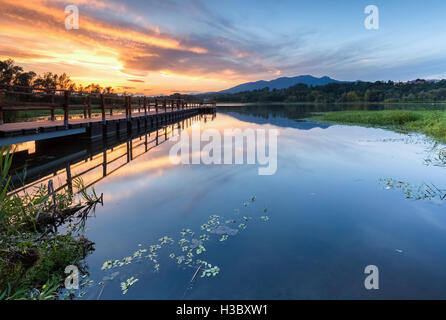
<point>62,162</point>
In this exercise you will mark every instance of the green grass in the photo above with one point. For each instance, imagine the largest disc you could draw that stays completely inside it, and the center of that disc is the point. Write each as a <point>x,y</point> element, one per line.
<point>33,255</point>
<point>431,123</point>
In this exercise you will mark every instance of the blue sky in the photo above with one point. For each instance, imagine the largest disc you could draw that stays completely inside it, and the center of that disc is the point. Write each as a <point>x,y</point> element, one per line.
<point>205,45</point>
<point>323,37</point>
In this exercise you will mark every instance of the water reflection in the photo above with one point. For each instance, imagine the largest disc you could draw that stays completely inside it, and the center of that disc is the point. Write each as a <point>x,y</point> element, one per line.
<point>328,216</point>
<point>36,163</point>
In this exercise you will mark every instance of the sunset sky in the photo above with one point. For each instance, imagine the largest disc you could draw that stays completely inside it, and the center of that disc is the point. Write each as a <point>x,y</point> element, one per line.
<point>164,46</point>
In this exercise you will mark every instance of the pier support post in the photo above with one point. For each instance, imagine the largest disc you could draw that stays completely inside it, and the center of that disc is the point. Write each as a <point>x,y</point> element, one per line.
<point>1,107</point>
<point>130,106</point>
<point>85,107</point>
<point>69,179</point>
<point>65,108</point>
<point>102,107</point>
<point>52,108</point>
<point>89,106</point>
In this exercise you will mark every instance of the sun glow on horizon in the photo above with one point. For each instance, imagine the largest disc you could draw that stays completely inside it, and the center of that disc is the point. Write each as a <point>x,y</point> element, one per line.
<point>128,57</point>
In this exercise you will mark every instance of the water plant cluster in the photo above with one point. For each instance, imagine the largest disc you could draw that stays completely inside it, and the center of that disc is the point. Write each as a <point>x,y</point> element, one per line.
<point>416,192</point>
<point>429,122</point>
<point>436,156</point>
<point>34,250</point>
<point>191,247</point>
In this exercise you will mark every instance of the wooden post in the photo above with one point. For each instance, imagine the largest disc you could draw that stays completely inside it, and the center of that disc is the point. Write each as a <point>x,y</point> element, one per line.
<point>69,179</point>
<point>103,107</point>
<point>65,107</point>
<point>84,101</point>
<point>128,151</point>
<point>104,164</point>
<point>52,108</point>
<point>130,107</point>
<point>165,105</point>
<point>145,106</point>
<point>1,107</point>
<point>125,107</point>
<point>89,106</point>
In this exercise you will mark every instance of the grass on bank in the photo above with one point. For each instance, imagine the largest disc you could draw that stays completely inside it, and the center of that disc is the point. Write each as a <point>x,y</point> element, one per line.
<point>431,123</point>
<point>33,253</point>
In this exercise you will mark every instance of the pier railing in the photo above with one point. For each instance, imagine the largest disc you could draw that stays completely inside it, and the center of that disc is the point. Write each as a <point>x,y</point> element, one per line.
<point>17,98</point>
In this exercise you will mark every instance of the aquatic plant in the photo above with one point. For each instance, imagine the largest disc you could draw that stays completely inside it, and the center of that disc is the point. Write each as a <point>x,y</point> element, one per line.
<point>429,122</point>
<point>419,192</point>
<point>189,246</point>
<point>32,250</point>
<point>212,271</point>
<point>127,284</point>
<point>200,249</point>
<point>166,240</point>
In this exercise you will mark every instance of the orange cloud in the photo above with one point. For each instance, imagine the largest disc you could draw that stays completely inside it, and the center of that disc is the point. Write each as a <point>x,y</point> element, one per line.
<point>109,52</point>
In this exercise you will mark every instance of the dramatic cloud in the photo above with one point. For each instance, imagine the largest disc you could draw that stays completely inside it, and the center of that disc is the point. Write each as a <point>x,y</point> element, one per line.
<point>191,45</point>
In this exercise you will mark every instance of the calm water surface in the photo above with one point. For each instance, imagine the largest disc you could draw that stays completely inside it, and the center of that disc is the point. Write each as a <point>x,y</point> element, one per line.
<point>329,217</point>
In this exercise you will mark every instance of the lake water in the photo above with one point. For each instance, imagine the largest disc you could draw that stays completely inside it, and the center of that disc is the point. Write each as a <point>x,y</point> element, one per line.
<point>309,233</point>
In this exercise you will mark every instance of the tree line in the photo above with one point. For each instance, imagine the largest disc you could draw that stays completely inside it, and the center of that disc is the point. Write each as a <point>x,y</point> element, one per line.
<point>14,75</point>
<point>360,91</point>
<point>414,91</point>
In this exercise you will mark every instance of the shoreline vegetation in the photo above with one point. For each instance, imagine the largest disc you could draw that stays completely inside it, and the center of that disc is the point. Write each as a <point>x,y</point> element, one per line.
<point>41,233</point>
<point>432,123</point>
<point>420,90</point>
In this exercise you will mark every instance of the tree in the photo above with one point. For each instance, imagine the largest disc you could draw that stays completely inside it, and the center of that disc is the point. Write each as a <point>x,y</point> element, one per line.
<point>93,88</point>
<point>24,79</point>
<point>63,82</point>
<point>109,90</point>
<point>352,96</point>
<point>8,71</point>
<point>48,81</point>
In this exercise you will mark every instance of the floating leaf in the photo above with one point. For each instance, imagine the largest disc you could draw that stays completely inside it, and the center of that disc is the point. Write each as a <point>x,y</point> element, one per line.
<point>210,272</point>
<point>127,284</point>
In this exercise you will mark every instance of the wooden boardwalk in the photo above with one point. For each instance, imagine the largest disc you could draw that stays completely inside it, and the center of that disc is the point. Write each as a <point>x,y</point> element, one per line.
<point>35,125</point>
<point>135,112</point>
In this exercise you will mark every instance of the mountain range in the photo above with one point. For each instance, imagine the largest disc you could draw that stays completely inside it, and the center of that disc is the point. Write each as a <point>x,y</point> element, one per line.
<point>282,83</point>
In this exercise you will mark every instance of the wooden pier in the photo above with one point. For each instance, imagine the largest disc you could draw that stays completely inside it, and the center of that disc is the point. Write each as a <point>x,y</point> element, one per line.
<point>92,116</point>
<point>90,160</point>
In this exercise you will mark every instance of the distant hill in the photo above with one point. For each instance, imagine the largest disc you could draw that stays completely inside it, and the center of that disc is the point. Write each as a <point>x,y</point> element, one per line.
<point>282,83</point>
